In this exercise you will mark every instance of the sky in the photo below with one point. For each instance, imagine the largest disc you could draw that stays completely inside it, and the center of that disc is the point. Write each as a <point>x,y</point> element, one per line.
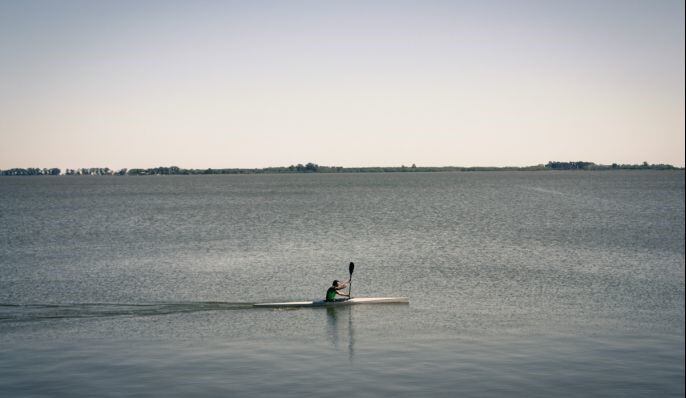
<point>257,83</point>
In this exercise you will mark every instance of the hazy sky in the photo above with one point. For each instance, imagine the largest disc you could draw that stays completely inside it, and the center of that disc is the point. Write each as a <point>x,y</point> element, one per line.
<point>350,83</point>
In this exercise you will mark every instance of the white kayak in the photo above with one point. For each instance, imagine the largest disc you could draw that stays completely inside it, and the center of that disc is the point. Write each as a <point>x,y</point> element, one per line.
<point>324,303</point>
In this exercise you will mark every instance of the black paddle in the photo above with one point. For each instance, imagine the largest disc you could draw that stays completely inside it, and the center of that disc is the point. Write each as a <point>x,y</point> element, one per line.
<point>351,267</point>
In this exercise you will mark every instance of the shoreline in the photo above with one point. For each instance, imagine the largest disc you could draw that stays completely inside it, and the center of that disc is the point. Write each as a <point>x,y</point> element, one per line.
<point>315,168</point>
<point>362,171</point>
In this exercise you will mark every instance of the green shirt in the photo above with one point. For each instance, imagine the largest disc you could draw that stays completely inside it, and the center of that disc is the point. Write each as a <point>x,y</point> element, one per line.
<point>331,294</point>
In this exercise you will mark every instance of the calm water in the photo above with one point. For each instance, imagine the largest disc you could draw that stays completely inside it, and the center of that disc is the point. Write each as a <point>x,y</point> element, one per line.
<point>520,284</point>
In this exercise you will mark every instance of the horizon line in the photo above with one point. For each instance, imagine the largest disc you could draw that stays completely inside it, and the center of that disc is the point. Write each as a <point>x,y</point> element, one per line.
<point>315,168</point>
<point>169,165</point>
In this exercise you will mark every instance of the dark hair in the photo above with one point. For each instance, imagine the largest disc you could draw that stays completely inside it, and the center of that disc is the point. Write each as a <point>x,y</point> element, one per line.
<point>335,283</point>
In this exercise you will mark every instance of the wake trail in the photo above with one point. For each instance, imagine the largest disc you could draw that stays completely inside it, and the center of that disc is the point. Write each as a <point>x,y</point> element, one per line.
<point>36,312</point>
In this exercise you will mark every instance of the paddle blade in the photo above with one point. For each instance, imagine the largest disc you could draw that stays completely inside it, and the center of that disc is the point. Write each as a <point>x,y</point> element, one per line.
<point>351,267</point>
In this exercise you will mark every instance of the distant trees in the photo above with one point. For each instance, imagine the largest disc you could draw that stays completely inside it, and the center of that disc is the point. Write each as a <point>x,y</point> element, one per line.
<point>30,172</point>
<point>153,171</point>
<point>308,168</point>
<point>315,168</point>
<point>613,166</point>
<point>92,171</point>
<point>95,171</point>
<point>569,165</point>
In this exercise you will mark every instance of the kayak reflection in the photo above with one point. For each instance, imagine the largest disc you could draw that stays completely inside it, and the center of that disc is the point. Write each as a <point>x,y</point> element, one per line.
<point>337,329</point>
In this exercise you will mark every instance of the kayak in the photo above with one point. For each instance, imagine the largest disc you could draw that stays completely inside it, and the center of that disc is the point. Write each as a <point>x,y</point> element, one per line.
<point>324,303</point>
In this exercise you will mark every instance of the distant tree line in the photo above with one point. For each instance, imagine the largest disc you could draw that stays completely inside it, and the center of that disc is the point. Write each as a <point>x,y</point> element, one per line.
<point>92,171</point>
<point>315,168</point>
<point>31,172</point>
<point>614,166</point>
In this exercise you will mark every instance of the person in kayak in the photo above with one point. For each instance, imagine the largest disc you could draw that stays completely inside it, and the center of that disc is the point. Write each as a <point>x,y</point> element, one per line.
<point>335,290</point>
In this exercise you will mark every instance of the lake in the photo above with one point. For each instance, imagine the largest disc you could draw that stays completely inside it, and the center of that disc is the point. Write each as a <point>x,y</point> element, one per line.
<point>521,284</point>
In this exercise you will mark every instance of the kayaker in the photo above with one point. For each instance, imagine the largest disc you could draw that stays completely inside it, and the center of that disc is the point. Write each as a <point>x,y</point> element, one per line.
<point>335,290</point>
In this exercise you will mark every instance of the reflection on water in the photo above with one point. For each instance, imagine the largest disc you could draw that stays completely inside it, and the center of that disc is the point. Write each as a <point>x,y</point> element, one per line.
<point>335,318</point>
<point>332,326</point>
<point>351,335</point>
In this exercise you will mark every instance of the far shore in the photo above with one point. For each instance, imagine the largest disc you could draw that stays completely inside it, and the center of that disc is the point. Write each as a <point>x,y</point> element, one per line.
<point>315,168</point>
